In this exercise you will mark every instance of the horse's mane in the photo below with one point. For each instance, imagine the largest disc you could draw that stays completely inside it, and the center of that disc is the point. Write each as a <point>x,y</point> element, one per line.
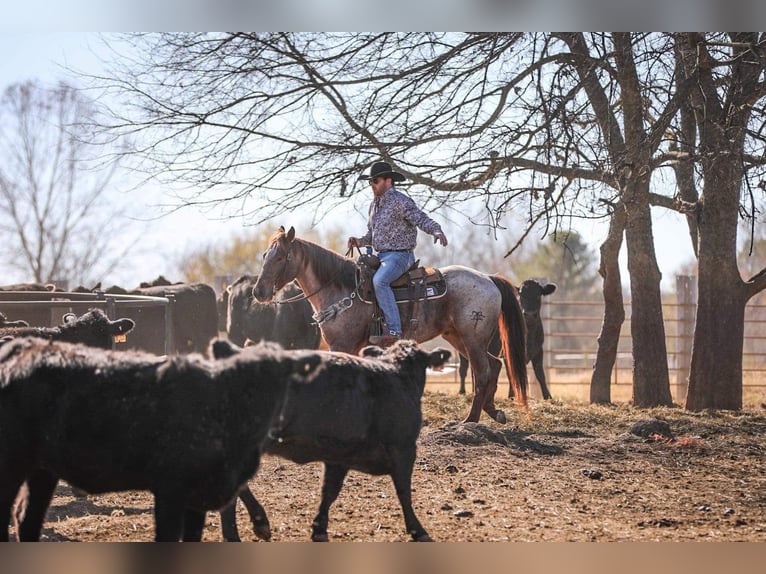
<point>330,268</point>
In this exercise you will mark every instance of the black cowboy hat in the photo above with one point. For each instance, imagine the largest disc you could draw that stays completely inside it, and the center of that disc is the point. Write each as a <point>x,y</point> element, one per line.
<point>383,169</point>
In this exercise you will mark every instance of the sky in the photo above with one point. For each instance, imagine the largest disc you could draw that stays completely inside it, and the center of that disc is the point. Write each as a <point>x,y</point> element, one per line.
<point>45,55</point>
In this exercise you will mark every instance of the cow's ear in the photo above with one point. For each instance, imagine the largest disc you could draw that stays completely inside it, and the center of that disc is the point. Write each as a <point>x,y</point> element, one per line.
<point>291,234</point>
<point>123,326</point>
<point>438,357</point>
<point>69,318</point>
<point>221,348</point>
<point>371,351</point>
<point>549,288</point>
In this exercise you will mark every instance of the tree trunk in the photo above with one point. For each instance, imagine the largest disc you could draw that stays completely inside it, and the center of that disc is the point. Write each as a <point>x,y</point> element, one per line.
<point>715,378</point>
<point>614,310</point>
<point>651,381</point>
<point>723,106</point>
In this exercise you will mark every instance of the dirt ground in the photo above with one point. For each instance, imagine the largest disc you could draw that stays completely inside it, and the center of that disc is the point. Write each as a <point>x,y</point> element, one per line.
<point>568,472</point>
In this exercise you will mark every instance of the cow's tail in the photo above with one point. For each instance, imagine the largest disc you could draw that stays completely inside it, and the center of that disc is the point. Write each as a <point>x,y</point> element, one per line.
<point>513,337</point>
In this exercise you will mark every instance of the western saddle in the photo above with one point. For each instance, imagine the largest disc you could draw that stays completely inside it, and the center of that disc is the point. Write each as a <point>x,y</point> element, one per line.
<point>415,286</point>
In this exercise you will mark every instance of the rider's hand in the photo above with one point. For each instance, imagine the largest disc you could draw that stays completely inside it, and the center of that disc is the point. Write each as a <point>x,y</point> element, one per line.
<point>352,242</point>
<point>441,238</point>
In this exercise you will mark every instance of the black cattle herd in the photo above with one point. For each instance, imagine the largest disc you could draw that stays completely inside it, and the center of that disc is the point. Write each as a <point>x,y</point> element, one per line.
<point>190,425</point>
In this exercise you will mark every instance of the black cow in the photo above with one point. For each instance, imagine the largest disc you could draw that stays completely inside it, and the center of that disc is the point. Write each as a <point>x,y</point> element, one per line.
<point>531,297</point>
<point>288,323</point>
<point>355,413</point>
<point>194,314</point>
<point>188,429</point>
<point>32,313</point>
<point>92,328</point>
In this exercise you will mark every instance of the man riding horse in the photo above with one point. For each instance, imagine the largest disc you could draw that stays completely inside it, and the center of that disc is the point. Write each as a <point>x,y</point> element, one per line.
<point>392,230</point>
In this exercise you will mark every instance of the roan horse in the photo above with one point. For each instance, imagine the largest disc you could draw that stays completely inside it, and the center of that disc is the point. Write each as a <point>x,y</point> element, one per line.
<point>474,307</point>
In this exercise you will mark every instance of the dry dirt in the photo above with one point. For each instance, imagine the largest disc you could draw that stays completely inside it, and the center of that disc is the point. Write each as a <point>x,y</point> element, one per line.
<point>570,472</point>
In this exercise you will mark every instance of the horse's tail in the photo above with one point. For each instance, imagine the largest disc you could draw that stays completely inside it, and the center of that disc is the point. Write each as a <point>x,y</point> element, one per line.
<point>513,337</point>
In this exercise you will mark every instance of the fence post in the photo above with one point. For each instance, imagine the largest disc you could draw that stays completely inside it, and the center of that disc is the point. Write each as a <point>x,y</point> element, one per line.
<point>686,294</point>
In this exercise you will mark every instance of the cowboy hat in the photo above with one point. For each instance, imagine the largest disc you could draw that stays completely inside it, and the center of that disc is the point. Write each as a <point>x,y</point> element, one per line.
<point>383,169</point>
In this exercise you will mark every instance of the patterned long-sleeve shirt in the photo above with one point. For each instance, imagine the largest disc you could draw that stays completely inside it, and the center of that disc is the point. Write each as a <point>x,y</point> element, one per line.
<point>393,222</point>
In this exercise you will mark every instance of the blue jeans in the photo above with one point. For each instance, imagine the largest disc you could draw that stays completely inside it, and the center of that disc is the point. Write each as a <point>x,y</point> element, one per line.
<point>392,265</point>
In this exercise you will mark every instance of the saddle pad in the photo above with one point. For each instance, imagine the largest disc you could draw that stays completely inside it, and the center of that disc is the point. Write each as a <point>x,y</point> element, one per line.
<point>420,291</point>
<point>417,284</point>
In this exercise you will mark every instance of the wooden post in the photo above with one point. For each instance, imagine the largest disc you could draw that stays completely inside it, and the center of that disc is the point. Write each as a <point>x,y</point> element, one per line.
<point>686,295</point>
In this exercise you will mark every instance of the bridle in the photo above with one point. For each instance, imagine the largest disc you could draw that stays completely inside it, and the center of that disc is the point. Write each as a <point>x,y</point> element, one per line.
<point>303,296</point>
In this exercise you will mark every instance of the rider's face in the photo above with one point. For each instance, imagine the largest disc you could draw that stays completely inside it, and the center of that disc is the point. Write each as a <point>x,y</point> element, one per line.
<point>380,185</point>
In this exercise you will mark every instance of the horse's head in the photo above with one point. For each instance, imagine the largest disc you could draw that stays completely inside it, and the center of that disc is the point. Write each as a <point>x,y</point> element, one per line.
<point>280,266</point>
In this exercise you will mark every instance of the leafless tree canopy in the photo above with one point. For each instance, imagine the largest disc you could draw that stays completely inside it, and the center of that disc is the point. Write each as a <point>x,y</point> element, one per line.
<point>554,126</point>
<point>53,183</point>
<point>275,122</point>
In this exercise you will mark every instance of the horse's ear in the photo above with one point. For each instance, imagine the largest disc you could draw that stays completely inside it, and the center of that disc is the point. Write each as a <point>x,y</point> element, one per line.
<point>291,234</point>
<point>281,228</point>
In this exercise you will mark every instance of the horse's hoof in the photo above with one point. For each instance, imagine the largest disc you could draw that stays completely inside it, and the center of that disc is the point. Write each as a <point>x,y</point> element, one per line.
<point>500,417</point>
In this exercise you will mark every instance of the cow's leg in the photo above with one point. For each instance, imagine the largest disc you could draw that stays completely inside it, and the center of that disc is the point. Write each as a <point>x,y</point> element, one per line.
<point>463,372</point>
<point>537,365</point>
<point>169,512</point>
<point>6,503</point>
<point>261,526</point>
<point>40,485</point>
<point>402,477</point>
<point>9,488</point>
<point>194,524</point>
<point>331,485</point>
<point>229,522</point>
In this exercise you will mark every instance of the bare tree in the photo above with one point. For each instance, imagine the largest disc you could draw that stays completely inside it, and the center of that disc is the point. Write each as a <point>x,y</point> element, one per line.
<point>53,187</point>
<point>727,99</point>
<point>555,126</point>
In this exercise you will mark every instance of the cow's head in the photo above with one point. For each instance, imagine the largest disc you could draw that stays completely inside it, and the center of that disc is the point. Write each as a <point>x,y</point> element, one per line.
<point>531,295</point>
<point>94,328</point>
<point>406,351</point>
<point>280,265</point>
<point>300,363</point>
